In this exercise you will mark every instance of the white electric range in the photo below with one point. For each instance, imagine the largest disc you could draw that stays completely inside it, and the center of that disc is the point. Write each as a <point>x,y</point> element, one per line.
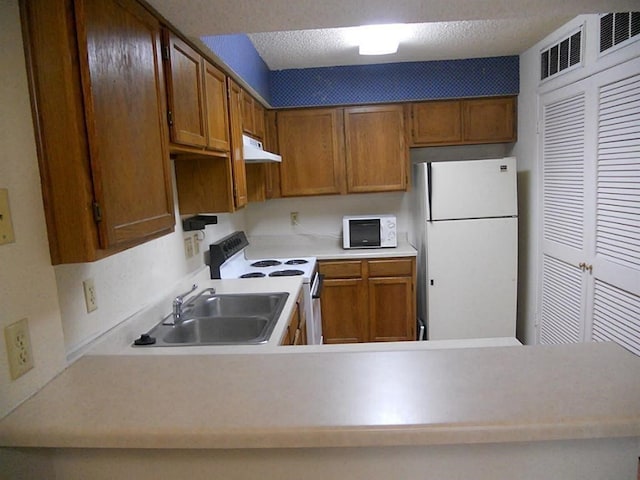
<point>227,260</point>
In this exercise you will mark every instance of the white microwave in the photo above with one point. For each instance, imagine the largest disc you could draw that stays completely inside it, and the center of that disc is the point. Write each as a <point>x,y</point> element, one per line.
<point>369,231</point>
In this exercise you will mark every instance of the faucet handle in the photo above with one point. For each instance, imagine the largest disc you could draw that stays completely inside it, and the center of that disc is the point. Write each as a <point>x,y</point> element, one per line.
<point>180,298</point>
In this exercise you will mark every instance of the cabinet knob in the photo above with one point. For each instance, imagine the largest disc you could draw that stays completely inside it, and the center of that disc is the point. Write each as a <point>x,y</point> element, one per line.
<point>582,266</point>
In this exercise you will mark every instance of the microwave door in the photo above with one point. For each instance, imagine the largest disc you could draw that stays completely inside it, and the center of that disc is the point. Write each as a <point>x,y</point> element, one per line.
<point>364,233</point>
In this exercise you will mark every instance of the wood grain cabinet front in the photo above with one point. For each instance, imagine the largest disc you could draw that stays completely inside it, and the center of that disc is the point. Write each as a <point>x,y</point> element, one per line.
<point>100,122</point>
<point>311,144</point>
<point>377,155</point>
<point>368,300</point>
<point>342,150</point>
<point>296,331</point>
<point>464,122</point>
<point>197,97</point>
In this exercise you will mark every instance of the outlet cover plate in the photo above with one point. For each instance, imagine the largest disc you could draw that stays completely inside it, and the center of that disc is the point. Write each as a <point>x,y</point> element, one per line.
<point>6,227</point>
<point>90,299</point>
<point>18,342</point>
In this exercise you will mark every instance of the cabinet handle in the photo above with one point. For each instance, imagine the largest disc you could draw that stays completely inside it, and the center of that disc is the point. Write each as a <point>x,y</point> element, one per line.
<point>589,267</point>
<point>582,266</point>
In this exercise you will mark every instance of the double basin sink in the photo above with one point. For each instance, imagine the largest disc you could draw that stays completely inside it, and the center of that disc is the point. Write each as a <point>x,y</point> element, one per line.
<point>220,319</point>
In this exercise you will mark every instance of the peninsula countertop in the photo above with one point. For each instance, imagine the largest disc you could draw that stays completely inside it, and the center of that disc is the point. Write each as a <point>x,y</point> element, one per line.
<point>373,398</point>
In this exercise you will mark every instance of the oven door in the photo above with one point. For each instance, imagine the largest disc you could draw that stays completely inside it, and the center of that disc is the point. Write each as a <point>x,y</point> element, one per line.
<point>314,312</point>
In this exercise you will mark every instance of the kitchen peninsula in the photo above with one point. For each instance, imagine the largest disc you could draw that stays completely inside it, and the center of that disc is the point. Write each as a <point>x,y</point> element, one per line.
<point>554,412</point>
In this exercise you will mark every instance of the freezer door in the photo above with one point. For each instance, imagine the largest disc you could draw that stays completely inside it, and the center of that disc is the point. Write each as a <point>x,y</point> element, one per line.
<point>471,278</point>
<point>473,189</point>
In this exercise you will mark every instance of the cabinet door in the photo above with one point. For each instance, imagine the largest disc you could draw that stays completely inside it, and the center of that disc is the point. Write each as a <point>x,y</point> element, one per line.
<point>436,123</point>
<point>391,311</point>
<point>186,98</point>
<point>125,116</point>
<point>215,92</point>
<point>312,148</point>
<point>258,120</point>
<point>563,115</point>
<point>237,158</point>
<point>344,311</point>
<point>248,123</point>
<point>376,152</point>
<point>489,120</point>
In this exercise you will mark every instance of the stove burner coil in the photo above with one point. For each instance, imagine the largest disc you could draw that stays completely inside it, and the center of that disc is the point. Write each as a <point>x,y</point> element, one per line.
<point>253,275</point>
<point>296,261</point>
<point>266,263</point>
<point>286,273</point>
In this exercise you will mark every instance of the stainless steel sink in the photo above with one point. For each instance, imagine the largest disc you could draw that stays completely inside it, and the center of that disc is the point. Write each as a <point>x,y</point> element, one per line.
<point>222,319</point>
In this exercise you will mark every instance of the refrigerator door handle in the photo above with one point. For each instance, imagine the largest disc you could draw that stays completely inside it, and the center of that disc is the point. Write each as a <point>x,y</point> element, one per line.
<point>429,188</point>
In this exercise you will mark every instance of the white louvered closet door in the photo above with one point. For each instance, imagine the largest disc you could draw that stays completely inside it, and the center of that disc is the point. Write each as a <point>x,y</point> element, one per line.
<point>565,164</point>
<point>615,293</point>
<point>591,210</point>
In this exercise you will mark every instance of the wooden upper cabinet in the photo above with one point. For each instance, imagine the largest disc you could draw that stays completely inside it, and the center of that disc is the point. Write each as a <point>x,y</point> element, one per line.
<point>311,144</point>
<point>101,125</point>
<point>437,122</point>
<point>187,117</point>
<point>237,157</point>
<point>258,120</point>
<point>248,123</point>
<point>217,110</point>
<point>377,154</point>
<point>197,93</point>
<point>252,116</point>
<point>489,120</point>
<point>464,122</point>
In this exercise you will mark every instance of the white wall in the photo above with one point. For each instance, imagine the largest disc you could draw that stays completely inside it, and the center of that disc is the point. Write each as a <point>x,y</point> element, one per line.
<point>129,281</point>
<point>322,215</point>
<point>27,280</point>
<point>526,151</point>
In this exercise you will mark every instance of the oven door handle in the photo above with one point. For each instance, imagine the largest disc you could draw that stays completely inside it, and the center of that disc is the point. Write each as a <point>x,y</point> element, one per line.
<point>317,291</point>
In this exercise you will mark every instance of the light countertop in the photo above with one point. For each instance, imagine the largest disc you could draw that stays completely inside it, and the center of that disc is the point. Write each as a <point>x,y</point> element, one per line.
<point>321,247</point>
<point>420,397</point>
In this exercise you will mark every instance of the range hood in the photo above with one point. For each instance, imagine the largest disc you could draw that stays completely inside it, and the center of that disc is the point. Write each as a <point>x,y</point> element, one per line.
<point>255,153</point>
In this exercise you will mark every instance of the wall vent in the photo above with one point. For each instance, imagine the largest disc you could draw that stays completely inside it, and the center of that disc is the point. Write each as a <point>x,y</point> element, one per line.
<point>618,28</point>
<point>561,56</point>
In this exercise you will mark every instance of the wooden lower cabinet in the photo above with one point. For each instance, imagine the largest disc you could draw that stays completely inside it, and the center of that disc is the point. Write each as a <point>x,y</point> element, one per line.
<point>370,300</point>
<point>296,331</point>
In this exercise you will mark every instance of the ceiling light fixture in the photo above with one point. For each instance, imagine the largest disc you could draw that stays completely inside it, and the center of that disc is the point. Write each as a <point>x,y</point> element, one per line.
<point>379,39</point>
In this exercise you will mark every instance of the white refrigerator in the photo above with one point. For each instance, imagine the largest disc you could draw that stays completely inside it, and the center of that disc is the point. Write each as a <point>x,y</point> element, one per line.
<point>466,233</point>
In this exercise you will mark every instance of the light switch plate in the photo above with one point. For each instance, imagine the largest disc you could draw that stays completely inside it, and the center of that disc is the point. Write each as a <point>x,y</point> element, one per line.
<point>6,227</point>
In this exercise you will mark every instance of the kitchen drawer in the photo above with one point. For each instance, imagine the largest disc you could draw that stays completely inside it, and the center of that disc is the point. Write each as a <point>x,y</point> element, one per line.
<point>341,269</point>
<point>391,267</point>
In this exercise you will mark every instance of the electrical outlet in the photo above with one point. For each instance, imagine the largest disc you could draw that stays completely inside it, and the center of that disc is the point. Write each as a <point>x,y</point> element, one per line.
<point>90,295</point>
<point>196,245</point>
<point>18,342</point>
<point>6,227</point>
<point>294,218</point>
<point>188,247</point>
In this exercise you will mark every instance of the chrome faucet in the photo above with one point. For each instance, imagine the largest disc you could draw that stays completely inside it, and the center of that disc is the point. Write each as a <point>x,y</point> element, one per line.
<point>177,305</point>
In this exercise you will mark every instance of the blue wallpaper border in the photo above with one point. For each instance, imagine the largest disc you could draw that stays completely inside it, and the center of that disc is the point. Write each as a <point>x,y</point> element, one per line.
<point>395,82</point>
<point>366,84</point>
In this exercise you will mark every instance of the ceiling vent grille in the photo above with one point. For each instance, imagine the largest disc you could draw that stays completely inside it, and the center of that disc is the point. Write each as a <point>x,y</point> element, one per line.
<point>561,56</point>
<point>618,28</point>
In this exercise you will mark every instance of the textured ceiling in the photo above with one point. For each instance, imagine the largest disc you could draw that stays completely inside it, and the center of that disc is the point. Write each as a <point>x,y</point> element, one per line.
<point>427,41</point>
<point>481,28</point>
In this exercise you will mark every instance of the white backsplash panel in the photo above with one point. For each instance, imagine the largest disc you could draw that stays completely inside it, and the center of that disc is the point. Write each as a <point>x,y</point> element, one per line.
<point>322,215</point>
